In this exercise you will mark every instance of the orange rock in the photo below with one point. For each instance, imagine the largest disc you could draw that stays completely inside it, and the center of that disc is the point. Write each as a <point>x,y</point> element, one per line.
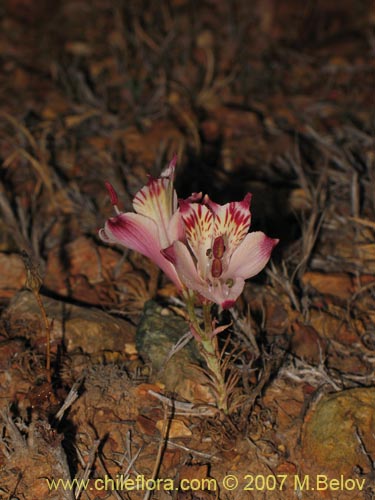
<point>306,342</point>
<point>142,389</point>
<point>176,428</point>
<point>86,266</point>
<point>193,472</point>
<point>336,284</point>
<point>87,329</point>
<point>146,425</point>
<point>286,468</point>
<point>12,275</point>
<point>287,400</point>
<point>331,437</point>
<point>171,458</point>
<point>331,327</point>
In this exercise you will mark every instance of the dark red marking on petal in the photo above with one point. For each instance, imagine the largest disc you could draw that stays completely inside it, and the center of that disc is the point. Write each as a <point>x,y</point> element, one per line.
<point>119,223</point>
<point>170,254</point>
<point>227,304</point>
<point>216,268</point>
<point>207,216</point>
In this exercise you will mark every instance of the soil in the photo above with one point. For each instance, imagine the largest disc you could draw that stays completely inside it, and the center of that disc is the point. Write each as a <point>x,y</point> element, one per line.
<point>272,98</point>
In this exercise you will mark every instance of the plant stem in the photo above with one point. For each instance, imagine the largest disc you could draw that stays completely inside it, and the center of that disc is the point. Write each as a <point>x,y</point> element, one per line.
<point>209,350</point>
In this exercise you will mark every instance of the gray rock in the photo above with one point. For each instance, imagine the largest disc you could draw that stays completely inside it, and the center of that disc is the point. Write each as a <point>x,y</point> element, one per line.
<point>158,332</point>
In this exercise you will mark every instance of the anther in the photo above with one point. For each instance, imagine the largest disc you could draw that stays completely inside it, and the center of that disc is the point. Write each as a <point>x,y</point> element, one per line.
<point>216,268</point>
<point>112,196</point>
<point>229,282</point>
<point>218,248</point>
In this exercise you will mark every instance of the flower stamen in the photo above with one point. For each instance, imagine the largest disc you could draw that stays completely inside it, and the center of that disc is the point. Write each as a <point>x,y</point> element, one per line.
<point>216,268</point>
<point>218,248</point>
<point>229,282</point>
<point>112,196</point>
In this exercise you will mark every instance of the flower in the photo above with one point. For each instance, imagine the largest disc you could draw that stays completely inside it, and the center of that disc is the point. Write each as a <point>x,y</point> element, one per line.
<point>220,254</point>
<point>201,246</point>
<point>155,225</point>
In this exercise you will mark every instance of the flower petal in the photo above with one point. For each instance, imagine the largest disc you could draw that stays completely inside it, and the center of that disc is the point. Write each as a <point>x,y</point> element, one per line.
<point>181,258</point>
<point>176,228</point>
<point>218,292</point>
<point>222,294</point>
<point>198,220</point>
<point>169,170</point>
<point>251,256</point>
<point>232,221</point>
<point>158,201</point>
<point>141,234</point>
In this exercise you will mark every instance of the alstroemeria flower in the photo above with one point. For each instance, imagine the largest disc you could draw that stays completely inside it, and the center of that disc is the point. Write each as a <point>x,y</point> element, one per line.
<point>220,254</point>
<point>155,225</point>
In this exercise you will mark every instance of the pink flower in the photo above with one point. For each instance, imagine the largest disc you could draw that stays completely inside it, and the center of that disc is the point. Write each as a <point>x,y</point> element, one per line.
<point>220,254</point>
<point>201,246</point>
<point>155,225</point>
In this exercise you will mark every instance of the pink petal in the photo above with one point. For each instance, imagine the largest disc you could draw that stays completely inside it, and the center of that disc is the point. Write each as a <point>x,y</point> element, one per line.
<point>251,256</point>
<point>223,295</point>
<point>176,228</point>
<point>169,171</point>
<point>141,234</point>
<point>180,256</point>
<point>232,221</point>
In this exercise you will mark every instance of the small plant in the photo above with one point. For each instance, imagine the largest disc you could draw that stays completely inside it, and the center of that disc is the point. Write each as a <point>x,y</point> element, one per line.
<point>203,247</point>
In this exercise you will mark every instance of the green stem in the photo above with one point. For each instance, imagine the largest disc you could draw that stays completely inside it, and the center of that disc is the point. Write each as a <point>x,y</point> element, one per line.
<point>209,350</point>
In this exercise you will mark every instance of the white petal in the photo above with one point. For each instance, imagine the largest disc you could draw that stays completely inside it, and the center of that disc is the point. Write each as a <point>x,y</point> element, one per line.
<point>251,256</point>
<point>156,201</point>
<point>198,220</point>
<point>232,221</point>
<point>185,266</point>
<point>218,292</point>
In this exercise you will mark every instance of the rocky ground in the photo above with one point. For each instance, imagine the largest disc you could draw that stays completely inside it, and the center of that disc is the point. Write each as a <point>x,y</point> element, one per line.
<point>273,98</point>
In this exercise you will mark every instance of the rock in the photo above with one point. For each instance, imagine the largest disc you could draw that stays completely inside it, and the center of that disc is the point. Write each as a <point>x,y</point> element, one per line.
<point>158,331</point>
<point>306,343</point>
<point>336,328</point>
<point>88,329</point>
<point>33,458</point>
<point>84,272</point>
<point>12,275</point>
<point>334,429</point>
<point>336,284</point>
<point>176,429</point>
